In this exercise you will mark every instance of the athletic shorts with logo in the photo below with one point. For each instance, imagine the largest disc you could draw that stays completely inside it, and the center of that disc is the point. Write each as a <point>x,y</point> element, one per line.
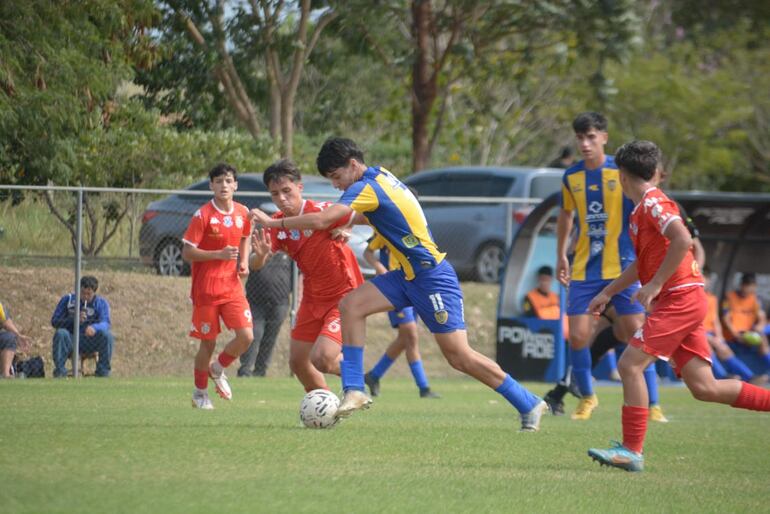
<point>205,319</point>
<point>434,293</point>
<point>317,319</point>
<point>401,317</point>
<point>581,292</point>
<point>674,331</point>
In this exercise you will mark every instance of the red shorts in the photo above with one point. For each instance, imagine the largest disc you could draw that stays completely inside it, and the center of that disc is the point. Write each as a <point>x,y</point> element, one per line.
<point>205,320</point>
<point>315,320</point>
<point>674,329</point>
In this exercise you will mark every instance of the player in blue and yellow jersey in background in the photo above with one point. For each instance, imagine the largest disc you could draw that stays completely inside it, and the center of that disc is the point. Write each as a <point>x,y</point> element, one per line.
<point>592,196</point>
<point>425,279</point>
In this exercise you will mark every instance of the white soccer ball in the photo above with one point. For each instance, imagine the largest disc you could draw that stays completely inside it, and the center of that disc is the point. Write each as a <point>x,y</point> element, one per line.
<point>318,409</point>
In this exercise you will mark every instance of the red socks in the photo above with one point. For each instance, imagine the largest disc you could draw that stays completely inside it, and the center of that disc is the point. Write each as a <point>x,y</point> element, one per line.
<point>752,397</point>
<point>225,359</point>
<point>201,378</point>
<point>634,427</point>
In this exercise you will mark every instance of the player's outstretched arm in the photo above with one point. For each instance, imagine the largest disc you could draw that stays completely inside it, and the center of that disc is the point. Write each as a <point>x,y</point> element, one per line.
<point>313,221</point>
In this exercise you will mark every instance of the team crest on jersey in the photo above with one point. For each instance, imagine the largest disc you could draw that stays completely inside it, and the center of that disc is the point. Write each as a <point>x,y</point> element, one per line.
<point>294,235</point>
<point>612,184</point>
<point>228,221</point>
<point>410,241</point>
<point>239,221</point>
<point>441,316</point>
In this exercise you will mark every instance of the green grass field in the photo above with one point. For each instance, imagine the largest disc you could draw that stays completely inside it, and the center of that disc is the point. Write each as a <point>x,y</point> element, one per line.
<point>123,445</point>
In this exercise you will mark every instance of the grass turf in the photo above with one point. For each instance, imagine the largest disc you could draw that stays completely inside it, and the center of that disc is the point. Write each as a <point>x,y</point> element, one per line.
<point>135,445</point>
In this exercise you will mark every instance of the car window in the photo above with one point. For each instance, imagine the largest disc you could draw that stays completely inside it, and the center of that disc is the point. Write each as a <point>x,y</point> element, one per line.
<point>500,186</point>
<point>544,186</point>
<point>429,186</point>
<point>200,186</point>
<point>478,184</point>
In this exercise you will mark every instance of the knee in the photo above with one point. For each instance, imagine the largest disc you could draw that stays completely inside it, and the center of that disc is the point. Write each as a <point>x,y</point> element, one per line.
<point>349,307</point>
<point>705,392</point>
<point>458,360</point>
<point>627,369</point>
<point>61,336</point>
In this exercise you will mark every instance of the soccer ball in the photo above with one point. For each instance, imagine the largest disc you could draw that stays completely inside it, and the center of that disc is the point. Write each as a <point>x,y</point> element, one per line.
<point>318,409</point>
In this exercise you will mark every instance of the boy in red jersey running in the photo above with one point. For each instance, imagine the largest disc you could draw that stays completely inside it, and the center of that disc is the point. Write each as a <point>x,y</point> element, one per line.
<point>217,237</point>
<point>329,269</point>
<point>672,293</point>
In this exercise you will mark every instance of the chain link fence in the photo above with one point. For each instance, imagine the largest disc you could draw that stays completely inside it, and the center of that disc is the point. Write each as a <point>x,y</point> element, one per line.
<point>131,242</point>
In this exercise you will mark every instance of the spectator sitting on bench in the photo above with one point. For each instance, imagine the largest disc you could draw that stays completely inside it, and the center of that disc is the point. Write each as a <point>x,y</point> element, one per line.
<point>9,337</point>
<point>95,335</point>
<point>743,320</point>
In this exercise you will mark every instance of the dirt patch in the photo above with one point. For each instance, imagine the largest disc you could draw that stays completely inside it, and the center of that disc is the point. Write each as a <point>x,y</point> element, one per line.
<point>151,320</point>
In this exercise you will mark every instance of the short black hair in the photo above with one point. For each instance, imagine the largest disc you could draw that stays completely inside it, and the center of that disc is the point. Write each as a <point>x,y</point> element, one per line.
<point>545,270</point>
<point>284,168</point>
<point>639,158</point>
<point>586,121</point>
<point>566,152</point>
<point>222,169</point>
<point>748,279</point>
<point>89,282</point>
<point>336,152</point>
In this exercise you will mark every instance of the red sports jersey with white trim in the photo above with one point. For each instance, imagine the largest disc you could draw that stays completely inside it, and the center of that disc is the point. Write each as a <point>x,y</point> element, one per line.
<point>648,221</point>
<point>216,281</point>
<point>328,266</point>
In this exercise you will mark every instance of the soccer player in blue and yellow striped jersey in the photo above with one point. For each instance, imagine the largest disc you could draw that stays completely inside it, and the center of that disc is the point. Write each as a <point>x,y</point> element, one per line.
<point>591,193</point>
<point>425,279</point>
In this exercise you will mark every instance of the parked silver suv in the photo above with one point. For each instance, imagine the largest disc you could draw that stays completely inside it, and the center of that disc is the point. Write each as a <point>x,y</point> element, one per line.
<point>474,234</point>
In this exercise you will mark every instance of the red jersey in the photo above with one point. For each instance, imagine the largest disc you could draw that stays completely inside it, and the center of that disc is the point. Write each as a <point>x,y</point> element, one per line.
<point>217,281</point>
<point>648,221</point>
<point>329,267</point>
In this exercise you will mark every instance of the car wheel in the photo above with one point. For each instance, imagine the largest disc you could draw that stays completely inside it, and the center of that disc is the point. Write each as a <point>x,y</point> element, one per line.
<point>168,259</point>
<point>489,262</point>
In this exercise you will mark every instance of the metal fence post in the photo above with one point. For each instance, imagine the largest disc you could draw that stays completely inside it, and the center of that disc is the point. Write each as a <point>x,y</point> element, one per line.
<point>78,264</point>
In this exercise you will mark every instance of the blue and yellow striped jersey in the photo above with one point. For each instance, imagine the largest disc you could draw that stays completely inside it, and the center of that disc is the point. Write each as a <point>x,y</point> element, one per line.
<point>396,215</point>
<point>377,242</point>
<point>603,248</point>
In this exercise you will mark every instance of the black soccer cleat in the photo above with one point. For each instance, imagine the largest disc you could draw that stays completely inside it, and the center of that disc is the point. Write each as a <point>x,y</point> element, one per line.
<point>425,392</point>
<point>373,384</point>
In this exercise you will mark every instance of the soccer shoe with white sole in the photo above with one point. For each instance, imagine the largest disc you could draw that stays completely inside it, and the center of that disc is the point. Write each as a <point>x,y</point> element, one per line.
<point>618,456</point>
<point>530,421</point>
<point>217,373</point>
<point>352,401</point>
<point>201,400</point>
<point>585,407</point>
<point>656,414</point>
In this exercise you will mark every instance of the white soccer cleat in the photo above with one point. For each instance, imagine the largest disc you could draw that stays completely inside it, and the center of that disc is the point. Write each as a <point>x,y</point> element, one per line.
<point>530,421</point>
<point>352,401</point>
<point>217,373</point>
<point>200,400</point>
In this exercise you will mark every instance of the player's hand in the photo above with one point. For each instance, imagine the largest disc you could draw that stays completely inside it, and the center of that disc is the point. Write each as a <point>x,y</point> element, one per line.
<point>259,217</point>
<point>646,294</point>
<point>341,234</point>
<point>243,269</point>
<point>562,271</point>
<point>598,303</point>
<point>260,242</point>
<point>90,332</point>
<point>228,253</point>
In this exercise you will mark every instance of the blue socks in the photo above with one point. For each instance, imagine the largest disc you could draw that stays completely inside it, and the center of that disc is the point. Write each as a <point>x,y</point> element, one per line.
<point>381,367</point>
<point>352,368</point>
<point>581,370</point>
<point>419,374</point>
<point>737,367</point>
<point>716,366</point>
<point>517,395</point>
<point>651,377</point>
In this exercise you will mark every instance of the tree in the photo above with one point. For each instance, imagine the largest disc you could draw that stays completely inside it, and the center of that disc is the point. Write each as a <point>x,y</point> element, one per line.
<point>241,51</point>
